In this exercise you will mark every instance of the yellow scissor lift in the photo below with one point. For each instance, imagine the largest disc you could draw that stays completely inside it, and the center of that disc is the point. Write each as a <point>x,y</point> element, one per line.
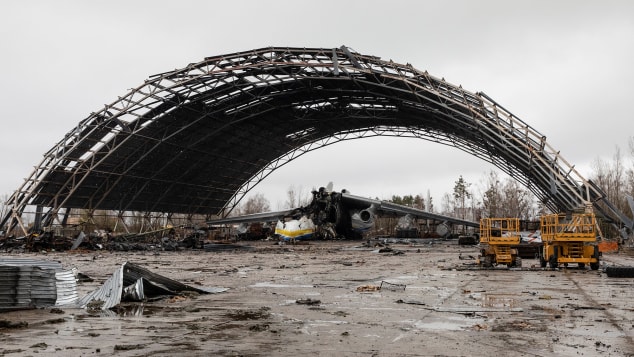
<point>499,238</point>
<point>569,239</point>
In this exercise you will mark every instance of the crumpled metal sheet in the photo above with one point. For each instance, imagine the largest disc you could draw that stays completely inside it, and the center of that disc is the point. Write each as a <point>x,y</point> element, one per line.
<point>66,284</point>
<point>131,282</point>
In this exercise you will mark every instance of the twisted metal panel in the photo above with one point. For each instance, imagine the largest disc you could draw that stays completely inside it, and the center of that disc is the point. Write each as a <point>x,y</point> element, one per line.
<point>195,140</point>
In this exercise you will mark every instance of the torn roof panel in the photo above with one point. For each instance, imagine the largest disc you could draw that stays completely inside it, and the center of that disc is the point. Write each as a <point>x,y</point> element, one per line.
<point>66,288</point>
<point>134,282</point>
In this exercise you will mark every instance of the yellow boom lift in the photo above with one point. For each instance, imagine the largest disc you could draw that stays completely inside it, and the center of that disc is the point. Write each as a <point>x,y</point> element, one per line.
<point>499,238</point>
<point>569,239</point>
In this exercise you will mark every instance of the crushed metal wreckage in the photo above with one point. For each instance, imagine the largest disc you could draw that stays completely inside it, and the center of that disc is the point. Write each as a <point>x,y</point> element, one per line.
<point>148,241</point>
<point>30,284</point>
<point>131,282</point>
<point>160,239</point>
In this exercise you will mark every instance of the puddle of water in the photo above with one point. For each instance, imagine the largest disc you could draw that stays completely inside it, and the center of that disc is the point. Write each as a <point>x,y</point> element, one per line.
<point>447,324</point>
<point>136,310</point>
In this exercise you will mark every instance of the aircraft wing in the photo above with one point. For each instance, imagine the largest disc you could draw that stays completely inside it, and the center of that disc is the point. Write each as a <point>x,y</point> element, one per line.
<point>250,218</point>
<point>393,208</point>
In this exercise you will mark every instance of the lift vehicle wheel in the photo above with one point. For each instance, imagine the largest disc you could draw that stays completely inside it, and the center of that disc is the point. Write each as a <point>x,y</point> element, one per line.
<point>552,261</point>
<point>595,266</point>
<point>542,261</point>
<point>582,265</point>
<point>488,262</point>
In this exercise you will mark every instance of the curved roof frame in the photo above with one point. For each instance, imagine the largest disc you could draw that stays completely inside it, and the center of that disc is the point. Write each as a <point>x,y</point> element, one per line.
<point>182,142</point>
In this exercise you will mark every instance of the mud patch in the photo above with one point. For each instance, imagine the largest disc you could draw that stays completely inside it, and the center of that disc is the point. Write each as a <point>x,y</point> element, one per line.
<point>6,324</point>
<point>242,315</point>
<point>128,347</point>
<point>518,325</point>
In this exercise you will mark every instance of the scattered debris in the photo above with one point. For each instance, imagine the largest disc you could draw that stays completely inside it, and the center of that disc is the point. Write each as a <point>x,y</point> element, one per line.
<point>39,345</point>
<point>259,327</point>
<point>518,325</point>
<point>468,240</point>
<point>412,302</point>
<point>261,313</point>
<point>308,301</point>
<point>389,250</point>
<point>12,325</point>
<point>83,278</point>
<point>128,347</point>
<point>368,288</point>
<point>391,286</point>
<point>577,307</point>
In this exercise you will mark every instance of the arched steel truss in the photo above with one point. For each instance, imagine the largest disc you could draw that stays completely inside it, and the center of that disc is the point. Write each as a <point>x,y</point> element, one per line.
<point>195,140</point>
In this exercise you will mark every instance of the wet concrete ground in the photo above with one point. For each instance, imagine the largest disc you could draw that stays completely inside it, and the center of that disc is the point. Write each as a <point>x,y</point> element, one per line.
<point>318,299</point>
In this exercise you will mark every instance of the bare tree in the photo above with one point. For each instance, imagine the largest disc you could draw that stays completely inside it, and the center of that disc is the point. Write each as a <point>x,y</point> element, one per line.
<point>517,200</point>
<point>446,203</point>
<point>507,198</point>
<point>611,177</point>
<point>256,204</point>
<point>291,195</point>
<point>630,172</point>
<point>492,197</point>
<point>429,203</point>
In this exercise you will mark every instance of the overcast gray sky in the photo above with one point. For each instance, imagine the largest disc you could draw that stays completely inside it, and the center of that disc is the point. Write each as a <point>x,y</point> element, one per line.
<point>564,67</point>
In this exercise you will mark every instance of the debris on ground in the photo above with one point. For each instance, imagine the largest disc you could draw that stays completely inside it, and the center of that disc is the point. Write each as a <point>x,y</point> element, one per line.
<point>391,286</point>
<point>308,301</point>
<point>261,313</point>
<point>131,282</point>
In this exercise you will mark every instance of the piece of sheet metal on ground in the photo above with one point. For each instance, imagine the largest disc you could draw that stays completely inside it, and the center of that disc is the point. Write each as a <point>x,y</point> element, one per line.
<point>66,283</point>
<point>25,287</point>
<point>133,282</point>
<point>32,283</point>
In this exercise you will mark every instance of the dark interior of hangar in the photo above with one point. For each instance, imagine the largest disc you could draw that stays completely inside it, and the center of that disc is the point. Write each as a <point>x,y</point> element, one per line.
<point>196,139</point>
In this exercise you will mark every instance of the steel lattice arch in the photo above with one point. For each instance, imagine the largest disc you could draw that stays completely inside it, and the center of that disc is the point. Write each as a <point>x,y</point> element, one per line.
<point>196,140</point>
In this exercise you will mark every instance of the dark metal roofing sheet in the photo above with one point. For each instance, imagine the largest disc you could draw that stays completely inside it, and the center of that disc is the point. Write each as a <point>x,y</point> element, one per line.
<point>137,283</point>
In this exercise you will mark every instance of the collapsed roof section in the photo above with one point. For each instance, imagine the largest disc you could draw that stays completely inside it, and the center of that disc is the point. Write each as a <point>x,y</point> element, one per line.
<point>196,139</point>
<point>131,282</point>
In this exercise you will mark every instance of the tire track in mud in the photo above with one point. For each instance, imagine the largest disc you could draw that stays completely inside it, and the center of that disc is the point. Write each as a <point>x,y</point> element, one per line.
<point>595,304</point>
<point>502,349</point>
